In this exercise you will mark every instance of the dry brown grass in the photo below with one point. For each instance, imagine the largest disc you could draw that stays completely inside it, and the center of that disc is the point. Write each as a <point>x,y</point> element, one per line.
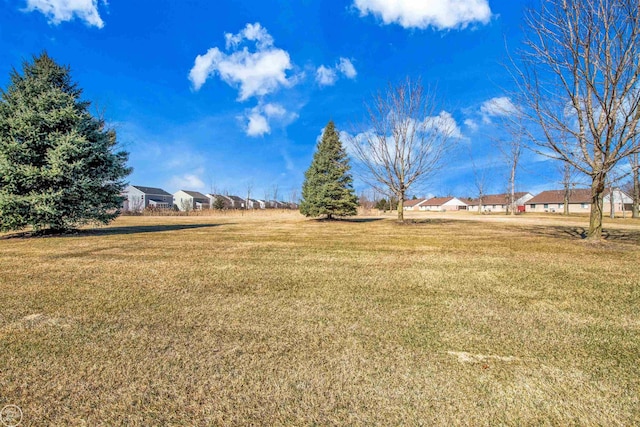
<point>236,320</point>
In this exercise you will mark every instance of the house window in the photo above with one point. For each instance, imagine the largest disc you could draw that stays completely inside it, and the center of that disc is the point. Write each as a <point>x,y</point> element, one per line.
<point>559,205</point>
<point>533,206</point>
<point>546,206</point>
<point>583,205</point>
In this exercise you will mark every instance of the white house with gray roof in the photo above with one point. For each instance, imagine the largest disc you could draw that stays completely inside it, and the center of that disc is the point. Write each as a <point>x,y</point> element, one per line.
<point>190,200</point>
<point>138,198</point>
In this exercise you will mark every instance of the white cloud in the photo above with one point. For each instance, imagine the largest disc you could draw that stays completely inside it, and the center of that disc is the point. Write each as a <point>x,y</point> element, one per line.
<point>445,124</point>
<point>327,76</point>
<point>188,181</point>
<point>258,125</point>
<point>256,73</point>
<point>497,107</point>
<point>260,117</point>
<point>58,11</point>
<point>346,67</point>
<point>471,124</point>
<point>252,32</point>
<point>441,14</point>
<point>274,110</point>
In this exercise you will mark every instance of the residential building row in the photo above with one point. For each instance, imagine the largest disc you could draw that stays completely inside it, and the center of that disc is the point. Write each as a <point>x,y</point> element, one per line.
<point>547,201</point>
<point>138,198</point>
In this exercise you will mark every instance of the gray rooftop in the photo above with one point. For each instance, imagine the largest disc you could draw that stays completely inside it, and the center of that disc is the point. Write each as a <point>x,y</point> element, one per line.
<point>152,190</point>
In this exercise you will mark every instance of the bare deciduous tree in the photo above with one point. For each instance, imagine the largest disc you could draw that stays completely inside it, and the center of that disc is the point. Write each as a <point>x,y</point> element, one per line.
<point>249,188</point>
<point>635,185</point>
<point>275,195</point>
<point>479,182</point>
<point>405,140</point>
<point>569,177</point>
<point>511,150</point>
<point>293,197</point>
<point>568,182</point>
<point>578,76</point>
<point>366,200</point>
<point>267,198</point>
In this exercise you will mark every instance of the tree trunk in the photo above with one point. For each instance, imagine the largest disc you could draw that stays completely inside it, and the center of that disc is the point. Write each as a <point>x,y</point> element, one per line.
<point>512,196</point>
<point>612,205</point>
<point>595,218</point>
<point>635,206</point>
<point>401,207</point>
<point>566,181</point>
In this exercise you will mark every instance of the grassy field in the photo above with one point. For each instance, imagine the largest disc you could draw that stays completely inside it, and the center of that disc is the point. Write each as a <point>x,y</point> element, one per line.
<point>279,320</point>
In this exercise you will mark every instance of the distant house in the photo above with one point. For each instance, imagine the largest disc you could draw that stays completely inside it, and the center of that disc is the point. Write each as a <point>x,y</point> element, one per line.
<point>138,198</point>
<point>621,201</point>
<point>579,201</point>
<point>226,201</point>
<point>443,204</point>
<point>413,205</point>
<point>499,202</point>
<point>237,202</point>
<point>274,204</point>
<point>553,201</point>
<point>230,202</point>
<point>257,204</point>
<point>190,200</point>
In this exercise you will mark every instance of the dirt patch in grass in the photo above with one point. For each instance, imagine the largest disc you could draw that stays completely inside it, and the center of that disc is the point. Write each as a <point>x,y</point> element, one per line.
<point>465,357</point>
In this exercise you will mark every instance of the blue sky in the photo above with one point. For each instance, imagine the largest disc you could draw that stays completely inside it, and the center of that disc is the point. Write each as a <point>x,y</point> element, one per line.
<point>229,94</point>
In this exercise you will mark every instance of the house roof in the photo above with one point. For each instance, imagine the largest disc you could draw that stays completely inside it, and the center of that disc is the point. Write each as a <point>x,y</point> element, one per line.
<point>236,198</point>
<point>151,190</point>
<point>496,199</point>
<point>577,195</point>
<point>437,201</point>
<point>412,203</point>
<point>197,195</point>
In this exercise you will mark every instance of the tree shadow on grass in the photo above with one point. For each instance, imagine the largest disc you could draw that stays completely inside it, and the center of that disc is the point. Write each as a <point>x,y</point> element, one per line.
<point>353,220</point>
<point>429,221</point>
<point>362,220</point>
<point>565,232</point>
<point>110,231</point>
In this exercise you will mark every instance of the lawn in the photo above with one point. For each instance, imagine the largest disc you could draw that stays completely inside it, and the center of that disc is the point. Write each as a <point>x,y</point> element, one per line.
<point>279,320</point>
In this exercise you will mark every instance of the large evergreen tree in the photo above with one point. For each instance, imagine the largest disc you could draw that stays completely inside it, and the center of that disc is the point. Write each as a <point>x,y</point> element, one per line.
<point>59,167</point>
<point>328,185</point>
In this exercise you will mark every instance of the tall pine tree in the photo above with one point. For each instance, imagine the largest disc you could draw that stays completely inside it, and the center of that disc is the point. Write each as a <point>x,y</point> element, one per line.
<point>328,186</point>
<point>58,164</point>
